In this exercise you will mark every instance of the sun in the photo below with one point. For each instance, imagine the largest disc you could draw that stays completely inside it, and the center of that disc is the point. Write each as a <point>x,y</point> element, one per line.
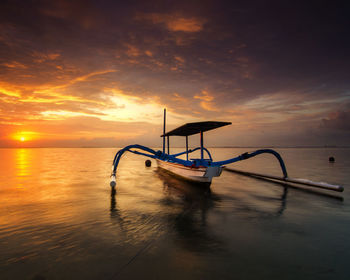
<point>24,136</point>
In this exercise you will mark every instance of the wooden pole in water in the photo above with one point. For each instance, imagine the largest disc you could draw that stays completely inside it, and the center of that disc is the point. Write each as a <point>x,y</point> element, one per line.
<point>321,185</point>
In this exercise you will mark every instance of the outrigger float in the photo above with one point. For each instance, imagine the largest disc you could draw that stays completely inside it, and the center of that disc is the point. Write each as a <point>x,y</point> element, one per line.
<point>203,169</point>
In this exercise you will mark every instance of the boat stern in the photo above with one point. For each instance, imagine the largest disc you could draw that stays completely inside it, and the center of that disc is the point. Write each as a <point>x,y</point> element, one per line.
<point>213,171</point>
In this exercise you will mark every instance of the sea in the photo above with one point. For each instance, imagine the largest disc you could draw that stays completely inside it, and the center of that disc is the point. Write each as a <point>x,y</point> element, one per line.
<point>59,218</point>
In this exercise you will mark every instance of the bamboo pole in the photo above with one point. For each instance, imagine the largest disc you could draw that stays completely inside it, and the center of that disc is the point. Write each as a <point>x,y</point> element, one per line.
<point>321,185</point>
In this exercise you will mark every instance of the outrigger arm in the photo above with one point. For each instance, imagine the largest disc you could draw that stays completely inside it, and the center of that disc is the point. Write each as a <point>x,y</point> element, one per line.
<point>190,163</point>
<point>253,154</point>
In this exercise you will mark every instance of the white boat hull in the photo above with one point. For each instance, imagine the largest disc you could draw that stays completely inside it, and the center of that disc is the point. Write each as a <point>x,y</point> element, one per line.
<point>195,174</point>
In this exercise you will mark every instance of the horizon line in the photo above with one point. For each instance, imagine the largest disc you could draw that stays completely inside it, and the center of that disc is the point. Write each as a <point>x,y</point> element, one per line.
<point>220,147</point>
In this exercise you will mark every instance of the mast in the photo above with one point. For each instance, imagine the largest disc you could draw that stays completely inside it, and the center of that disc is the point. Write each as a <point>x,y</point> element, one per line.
<point>164,123</point>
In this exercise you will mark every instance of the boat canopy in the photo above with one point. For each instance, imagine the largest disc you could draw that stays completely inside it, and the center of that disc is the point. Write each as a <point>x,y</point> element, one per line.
<point>194,128</point>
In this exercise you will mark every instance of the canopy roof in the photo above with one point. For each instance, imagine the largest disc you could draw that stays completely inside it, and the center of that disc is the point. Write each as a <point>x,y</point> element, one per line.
<point>194,128</point>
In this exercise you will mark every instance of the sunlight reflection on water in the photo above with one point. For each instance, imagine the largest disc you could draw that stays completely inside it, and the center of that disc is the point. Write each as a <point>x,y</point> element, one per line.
<point>59,219</point>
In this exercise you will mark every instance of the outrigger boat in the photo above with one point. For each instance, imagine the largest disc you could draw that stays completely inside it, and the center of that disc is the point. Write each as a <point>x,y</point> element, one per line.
<point>203,169</point>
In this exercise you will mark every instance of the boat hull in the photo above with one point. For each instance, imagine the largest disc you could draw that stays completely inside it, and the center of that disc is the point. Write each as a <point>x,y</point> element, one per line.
<point>195,174</point>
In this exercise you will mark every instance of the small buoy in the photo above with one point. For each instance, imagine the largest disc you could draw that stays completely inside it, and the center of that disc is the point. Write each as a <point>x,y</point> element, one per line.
<point>113,182</point>
<point>331,159</point>
<point>148,163</point>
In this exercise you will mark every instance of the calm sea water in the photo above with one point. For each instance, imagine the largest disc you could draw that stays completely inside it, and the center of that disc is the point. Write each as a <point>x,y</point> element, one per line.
<point>59,219</point>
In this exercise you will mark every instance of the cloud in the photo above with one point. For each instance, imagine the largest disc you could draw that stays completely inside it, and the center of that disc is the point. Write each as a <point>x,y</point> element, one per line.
<point>206,101</point>
<point>338,120</point>
<point>14,65</point>
<point>174,22</point>
<point>262,66</point>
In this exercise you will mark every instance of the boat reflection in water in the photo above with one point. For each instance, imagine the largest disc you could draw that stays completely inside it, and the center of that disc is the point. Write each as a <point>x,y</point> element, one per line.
<point>189,213</point>
<point>190,223</point>
<point>182,215</point>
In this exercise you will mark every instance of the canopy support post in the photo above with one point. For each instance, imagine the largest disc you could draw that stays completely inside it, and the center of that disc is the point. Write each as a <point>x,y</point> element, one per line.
<point>168,145</point>
<point>186,147</point>
<point>201,139</point>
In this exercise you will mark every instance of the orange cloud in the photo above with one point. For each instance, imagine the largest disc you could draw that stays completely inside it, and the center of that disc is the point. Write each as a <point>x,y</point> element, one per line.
<point>180,59</point>
<point>42,57</point>
<point>207,101</point>
<point>133,51</point>
<point>53,93</point>
<point>175,22</point>
<point>185,24</point>
<point>9,90</point>
<point>41,94</point>
<point>88,76</point>
<point>15,65</point>
<point>148,53</point>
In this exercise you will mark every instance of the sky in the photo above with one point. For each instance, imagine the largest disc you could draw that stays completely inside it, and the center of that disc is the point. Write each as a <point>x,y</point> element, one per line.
<point>99,73</point>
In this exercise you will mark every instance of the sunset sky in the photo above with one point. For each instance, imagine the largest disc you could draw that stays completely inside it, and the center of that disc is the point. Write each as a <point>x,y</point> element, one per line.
<point>99,73</point>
